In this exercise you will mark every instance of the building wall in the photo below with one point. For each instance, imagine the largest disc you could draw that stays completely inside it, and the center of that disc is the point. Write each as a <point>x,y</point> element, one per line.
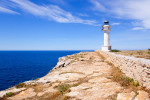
<point>136,68</point>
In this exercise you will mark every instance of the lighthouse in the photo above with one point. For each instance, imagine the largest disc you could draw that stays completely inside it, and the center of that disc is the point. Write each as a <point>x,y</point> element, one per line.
<point>106,29</point>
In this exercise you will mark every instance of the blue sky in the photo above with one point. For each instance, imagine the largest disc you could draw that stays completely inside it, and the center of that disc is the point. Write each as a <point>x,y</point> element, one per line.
<point>73,24</point>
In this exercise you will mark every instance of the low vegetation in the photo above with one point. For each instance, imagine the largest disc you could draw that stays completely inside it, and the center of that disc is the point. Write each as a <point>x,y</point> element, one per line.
<point>135,83</point>
<point>63,88</point>
<point>20,85</point>
<point>148,51</point>
<point>9,94</point>
<point>125,81</point>
<point>119,77</point>
<point>71,72</point>
<point>109,63</point>
<point>37,79</point>
<point>114,50</point>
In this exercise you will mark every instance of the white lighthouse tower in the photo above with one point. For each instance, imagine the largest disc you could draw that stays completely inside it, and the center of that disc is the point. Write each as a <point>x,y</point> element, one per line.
<point>106,29</point>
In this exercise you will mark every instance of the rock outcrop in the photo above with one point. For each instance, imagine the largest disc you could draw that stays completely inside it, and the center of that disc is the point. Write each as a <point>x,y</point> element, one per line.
<point>136,68</point>
<point>82,76</point>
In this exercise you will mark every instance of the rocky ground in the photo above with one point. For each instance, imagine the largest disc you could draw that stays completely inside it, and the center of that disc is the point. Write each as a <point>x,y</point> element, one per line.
<point>82,76</point>
<point>136,53</point>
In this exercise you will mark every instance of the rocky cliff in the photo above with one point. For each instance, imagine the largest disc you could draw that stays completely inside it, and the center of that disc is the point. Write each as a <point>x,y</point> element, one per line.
<point>82,76</point>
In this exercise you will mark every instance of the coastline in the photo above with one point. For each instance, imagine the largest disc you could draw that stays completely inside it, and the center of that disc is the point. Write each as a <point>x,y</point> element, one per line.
<point>75,77</point>
<point>20,66</point>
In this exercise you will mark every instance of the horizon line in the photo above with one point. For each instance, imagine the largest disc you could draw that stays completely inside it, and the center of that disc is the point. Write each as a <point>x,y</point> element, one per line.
<point>44,50</point>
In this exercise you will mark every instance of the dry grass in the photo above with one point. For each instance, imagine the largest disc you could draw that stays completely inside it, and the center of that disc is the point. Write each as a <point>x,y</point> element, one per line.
<point>121,78</point>
<point>38,88</point>
<point>136,53</point>
<point>97,52</point>
<point>71,72</point>
<point>76,57</point>
<point>51,96</point>
<point>109,63</point>
<point>125,81</point>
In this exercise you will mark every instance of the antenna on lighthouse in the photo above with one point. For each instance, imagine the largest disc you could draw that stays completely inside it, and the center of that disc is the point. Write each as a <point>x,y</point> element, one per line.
<point>106,29</point>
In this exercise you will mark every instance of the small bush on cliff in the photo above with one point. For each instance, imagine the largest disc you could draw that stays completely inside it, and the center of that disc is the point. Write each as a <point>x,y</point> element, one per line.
<point>139,52</point>
<point>135,83</point>
<point>37,79</point>
<point>9,94</point>
<point>125,81</point>
<point>114,50</point>
<point>148,52</point>
<point>20,85</point>
<point>148,49</point>
<point>63,88</point>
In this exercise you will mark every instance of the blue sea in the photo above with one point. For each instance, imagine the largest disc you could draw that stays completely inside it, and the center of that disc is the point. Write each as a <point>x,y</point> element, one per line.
<point>20,66</point>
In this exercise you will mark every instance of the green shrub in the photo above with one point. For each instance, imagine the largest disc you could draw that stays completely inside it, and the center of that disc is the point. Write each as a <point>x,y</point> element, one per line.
<point>9,94</point>
<point>114,50</point>
<point>148,51</point>
<point>125,81</point>
<point>37,79</point>
<point>20,85</point>
<point>135,83</point>
<point>128,79</point>
<point>63,88</point>
<point>131,54</point>
<point>140,52</point>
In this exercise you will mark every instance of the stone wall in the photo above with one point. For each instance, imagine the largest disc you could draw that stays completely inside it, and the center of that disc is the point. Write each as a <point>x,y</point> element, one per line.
<point>136,68</point>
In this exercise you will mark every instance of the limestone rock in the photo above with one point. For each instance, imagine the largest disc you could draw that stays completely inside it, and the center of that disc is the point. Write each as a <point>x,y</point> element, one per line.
<point>13,90</point>
<point>24,94</point>
<point>48,90</point>
<point>126,96</point>
<point>62,63</point>
<point>142,95</point>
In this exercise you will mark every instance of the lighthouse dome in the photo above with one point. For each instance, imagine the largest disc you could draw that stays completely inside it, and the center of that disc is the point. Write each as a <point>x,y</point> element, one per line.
<point>106,22</point>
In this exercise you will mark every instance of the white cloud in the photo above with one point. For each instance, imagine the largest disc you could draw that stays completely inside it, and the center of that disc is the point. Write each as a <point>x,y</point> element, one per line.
<point>115,24</point>
<point>51,12</point>
<point>97,5</point>
<point>6,10</point>
<point>129,9</point>
<point>83,14</point>
<point>138,28</point>
<point>62,2</point>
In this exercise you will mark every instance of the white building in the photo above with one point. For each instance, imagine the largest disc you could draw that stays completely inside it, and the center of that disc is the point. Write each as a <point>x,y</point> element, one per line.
<point>106,29</point>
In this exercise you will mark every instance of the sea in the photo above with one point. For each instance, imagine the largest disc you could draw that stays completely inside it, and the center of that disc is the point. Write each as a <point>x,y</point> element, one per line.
<point>20,66</point>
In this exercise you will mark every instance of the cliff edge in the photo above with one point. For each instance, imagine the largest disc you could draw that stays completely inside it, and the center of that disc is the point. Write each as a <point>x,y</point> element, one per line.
<point>82,76</point>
